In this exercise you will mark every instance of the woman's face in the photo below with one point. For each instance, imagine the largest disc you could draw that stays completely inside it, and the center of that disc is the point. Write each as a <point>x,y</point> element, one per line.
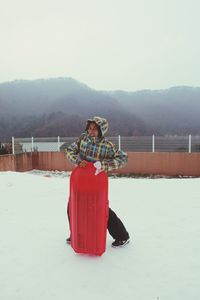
<point>93,130</point>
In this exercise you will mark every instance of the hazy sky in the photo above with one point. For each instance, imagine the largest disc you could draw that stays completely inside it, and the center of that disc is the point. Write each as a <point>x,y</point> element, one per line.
<point>106,44</point>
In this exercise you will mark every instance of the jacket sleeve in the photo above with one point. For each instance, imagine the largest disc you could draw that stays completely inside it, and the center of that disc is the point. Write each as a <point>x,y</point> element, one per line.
<point>72,152</point>
<point>116,159</point>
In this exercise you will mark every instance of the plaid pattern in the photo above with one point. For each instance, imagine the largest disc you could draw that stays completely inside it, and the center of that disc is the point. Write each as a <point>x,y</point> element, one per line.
<point>96,149</point>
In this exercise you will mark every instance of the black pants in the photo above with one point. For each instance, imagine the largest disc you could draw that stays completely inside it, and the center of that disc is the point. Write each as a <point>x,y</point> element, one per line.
<point>115,226</point>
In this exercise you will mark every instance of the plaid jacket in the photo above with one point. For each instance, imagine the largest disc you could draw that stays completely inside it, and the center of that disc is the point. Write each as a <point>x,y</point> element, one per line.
<point>94,149</point>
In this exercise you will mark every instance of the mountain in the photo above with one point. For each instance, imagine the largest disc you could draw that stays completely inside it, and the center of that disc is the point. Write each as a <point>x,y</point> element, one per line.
<point>171,111</point>
<point>60,106</point>
<point>23,97</point>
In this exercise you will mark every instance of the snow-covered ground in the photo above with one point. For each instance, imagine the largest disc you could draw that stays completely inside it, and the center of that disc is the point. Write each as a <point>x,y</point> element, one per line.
<point>161,262</point>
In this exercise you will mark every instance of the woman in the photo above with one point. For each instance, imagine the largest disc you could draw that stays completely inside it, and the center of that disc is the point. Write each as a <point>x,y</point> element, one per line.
<point>92,146</point>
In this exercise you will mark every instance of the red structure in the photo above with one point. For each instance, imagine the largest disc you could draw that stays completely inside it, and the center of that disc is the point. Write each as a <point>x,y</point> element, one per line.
<point>88,210</point>
<point>139,163</point>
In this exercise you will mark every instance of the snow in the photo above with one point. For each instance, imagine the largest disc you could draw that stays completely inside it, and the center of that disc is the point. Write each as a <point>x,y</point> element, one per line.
<point>162,261</point>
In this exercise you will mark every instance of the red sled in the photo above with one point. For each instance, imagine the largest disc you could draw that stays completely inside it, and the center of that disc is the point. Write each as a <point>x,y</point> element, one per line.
<point>88,210</point>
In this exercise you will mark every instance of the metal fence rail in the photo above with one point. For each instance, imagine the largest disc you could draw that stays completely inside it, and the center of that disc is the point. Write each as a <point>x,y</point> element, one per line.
<point>130,144</point>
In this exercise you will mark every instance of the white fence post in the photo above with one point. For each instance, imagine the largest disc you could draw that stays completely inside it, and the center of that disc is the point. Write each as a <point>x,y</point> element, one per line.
<point>58,144</point>
<point>190,143</point>
<point>153,143</point>
<point>32,144</point>
<point>13,145</point>
<point>119,142</point>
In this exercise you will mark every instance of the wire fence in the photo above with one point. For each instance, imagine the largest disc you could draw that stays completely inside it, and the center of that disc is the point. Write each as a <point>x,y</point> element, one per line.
<point>153,143</point>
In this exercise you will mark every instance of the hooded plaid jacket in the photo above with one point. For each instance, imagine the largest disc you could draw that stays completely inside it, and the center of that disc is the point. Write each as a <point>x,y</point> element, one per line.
<point>94,149</point>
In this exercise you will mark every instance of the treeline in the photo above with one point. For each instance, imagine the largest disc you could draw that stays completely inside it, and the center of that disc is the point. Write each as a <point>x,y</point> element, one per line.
<point>62,124</point>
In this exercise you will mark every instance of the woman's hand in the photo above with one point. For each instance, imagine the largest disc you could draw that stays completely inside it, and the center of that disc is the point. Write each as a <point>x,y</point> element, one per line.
<point>83,163</point>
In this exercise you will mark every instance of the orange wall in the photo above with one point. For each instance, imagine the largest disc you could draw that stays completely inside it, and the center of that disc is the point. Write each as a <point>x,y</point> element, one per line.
<point>18,162</point>
<point>163,163</point>
<point>7,163</point>
<point>51,161</point>
<point>143,163</point>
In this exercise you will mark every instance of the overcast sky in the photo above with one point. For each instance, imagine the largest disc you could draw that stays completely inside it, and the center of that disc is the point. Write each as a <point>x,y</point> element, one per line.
<point>106,44</point>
